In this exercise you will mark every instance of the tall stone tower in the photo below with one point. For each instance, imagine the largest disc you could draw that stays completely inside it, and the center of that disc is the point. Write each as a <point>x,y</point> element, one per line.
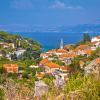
<point>61,43</point>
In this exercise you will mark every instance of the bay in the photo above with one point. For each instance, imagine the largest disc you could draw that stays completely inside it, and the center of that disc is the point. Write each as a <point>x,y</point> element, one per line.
<point>50,40</point>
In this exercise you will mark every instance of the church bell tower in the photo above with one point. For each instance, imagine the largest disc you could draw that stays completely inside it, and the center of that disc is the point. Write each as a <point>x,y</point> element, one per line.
<point>61,43</point>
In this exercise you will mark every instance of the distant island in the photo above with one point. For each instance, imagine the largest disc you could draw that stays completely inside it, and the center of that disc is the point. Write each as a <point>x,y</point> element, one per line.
<point>79,28</point>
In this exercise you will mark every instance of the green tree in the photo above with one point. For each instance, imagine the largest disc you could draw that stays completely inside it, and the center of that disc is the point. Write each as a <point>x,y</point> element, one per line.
<point>75,63</point>
<point>49,76</point>
<point>39,69</point>
<point>2,70</point>
<point>12,75</point>
<point>14,56</point>
<point>95,54</point>
<point>86,38</point>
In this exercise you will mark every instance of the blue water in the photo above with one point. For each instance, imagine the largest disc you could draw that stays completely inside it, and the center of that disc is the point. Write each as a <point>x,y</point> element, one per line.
<point>52,40</point>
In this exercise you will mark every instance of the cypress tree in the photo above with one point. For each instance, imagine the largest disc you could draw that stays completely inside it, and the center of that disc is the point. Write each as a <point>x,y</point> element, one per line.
<point>86,38</point>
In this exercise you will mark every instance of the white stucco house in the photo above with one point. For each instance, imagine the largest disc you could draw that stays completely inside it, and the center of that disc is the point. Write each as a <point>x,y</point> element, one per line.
<point>95,39</point>
<point>19,52</point>
<point>33,66</point>
<point>96,42</point>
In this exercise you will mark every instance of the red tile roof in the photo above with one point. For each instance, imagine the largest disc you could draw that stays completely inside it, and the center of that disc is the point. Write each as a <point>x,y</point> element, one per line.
<point>11,67</point>
<point>98,37</point>
<point>65,68</point>
<point>68,55</point>
<point>40,75</point>
<point>61,51</point>
<point>89,52</point>
<point>52,65</point>
<point>44,61</point>
<point>52,51</point>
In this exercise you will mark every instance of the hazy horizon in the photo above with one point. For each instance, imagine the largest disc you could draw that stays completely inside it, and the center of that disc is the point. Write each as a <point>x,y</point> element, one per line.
<point>47,14</point>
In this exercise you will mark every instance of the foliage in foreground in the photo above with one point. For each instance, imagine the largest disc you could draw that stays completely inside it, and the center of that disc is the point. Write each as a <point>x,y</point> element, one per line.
<point>78,87</point>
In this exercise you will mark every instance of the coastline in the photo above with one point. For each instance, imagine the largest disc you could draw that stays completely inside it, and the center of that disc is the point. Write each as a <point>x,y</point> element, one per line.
<point>52,40</point>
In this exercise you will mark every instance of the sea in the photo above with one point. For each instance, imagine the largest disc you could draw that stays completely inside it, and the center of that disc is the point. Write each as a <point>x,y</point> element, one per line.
<point>50,40</point>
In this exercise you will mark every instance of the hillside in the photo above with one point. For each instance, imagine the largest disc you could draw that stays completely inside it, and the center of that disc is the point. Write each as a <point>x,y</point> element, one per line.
<point>66,73</point>
<point>24,42</point>
<point>91,28</point>
<point>17,49</point>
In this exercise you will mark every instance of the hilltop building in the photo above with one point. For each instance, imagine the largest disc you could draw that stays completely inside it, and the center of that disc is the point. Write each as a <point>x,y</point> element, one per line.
<point>95,39</point>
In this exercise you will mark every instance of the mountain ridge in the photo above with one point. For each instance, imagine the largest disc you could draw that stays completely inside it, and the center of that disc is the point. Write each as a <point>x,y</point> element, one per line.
<point>80,28</point>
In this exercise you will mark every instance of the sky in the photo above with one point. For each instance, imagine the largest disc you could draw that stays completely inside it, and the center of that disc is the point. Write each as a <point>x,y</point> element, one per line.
<point>24,14</point>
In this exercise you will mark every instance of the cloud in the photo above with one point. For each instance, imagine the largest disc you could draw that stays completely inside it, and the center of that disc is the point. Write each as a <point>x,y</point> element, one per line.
<point>58,4</point>
<point>61,5</point>
<point>21,4</point>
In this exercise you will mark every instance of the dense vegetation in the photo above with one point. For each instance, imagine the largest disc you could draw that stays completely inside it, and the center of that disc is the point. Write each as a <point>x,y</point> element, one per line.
<point>31,55</point>
<point>24,42</point>
<point>78,87</point>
